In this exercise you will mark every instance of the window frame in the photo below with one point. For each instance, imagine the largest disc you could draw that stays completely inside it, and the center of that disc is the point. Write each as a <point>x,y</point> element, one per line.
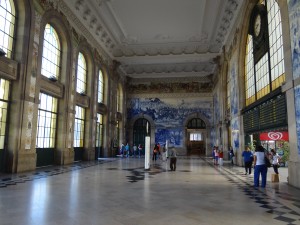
<point>51,48</point>
<point>48,132</point>
<point>8,33</point>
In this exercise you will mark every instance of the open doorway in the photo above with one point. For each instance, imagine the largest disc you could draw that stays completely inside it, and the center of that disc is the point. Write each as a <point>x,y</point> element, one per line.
<point>196,136</point>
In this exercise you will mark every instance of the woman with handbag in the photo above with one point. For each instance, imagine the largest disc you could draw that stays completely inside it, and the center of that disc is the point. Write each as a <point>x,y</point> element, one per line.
<point>260,168</point>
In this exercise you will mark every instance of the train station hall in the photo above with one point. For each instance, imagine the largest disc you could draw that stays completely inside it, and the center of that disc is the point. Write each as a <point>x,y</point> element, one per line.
<point>138,112</point>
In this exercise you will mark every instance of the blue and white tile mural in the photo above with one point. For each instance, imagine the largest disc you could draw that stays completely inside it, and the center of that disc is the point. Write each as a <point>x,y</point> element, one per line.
<point>213,137</point>
<point>233,88</point>
<point>217,114</point>
<point>169,115</point>
<point>297,108</point>
<point>294,16</point>
<point>235,132</point>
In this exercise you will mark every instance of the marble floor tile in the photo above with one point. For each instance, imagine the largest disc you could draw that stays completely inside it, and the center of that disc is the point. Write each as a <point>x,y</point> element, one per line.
<point>120,192</point>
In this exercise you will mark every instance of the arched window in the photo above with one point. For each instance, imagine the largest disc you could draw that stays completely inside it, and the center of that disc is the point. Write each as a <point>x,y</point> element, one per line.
<point>100,87</point>
<point>7,26</point>
<point>81,74</point>
<point>51,53</point>
<point>264,60</point>
<point>196,123</point>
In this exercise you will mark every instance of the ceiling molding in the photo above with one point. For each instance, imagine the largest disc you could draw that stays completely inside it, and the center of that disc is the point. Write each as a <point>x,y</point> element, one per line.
<point>150,38</point>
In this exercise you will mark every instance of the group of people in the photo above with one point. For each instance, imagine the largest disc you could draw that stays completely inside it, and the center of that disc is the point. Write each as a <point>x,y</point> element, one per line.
<point>217,155</point>
<point>260,159</point>
<point>125,150</point>
<point>158,153</point>
<point>164,154</point>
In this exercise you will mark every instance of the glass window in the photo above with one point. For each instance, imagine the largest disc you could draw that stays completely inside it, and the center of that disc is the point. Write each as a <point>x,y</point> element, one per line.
<point>4,92</point>
<point>51,53</point>
<point>276,44</point>
<point>260,79</point>
<point>47,120</point>
<point>99,131</point>
<point>7,26</point>
<point>81,74</point>
<point>195,137</point>
<point>100,87</point>
<point>79,126</point>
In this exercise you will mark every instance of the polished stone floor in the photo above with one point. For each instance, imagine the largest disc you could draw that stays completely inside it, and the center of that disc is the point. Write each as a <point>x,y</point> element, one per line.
<point>120,192</point>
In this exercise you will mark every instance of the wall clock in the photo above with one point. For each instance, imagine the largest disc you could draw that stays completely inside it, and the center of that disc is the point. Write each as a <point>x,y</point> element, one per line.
<point>258,28</point>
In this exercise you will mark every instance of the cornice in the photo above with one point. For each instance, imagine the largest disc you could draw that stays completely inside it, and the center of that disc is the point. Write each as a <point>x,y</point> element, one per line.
<point>80,28</point>
<point>202,96</point>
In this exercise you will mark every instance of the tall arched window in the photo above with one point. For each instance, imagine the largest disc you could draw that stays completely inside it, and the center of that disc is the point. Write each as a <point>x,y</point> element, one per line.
<point>100,87</point>
<point>81,74</point>
<point>7,26</point>
<point>264,61</point>
<point>51,53</point>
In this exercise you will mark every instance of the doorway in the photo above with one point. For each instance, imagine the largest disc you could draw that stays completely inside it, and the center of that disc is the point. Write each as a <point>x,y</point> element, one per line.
<point>140,132</point>
<point>196,136</point>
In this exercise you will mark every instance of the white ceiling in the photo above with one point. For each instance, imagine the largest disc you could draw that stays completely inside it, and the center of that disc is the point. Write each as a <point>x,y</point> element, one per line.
<point>160,38</point>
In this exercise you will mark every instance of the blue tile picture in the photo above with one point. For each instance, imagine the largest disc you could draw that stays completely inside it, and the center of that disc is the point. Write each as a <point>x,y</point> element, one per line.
<point>169,115</point>
<point>294,15</point>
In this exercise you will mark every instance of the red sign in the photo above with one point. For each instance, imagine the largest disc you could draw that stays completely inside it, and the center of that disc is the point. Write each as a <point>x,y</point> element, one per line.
<point>274,136</point>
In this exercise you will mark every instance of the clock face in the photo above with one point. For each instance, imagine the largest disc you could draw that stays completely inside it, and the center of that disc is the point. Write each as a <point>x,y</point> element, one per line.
<point>257,25</point>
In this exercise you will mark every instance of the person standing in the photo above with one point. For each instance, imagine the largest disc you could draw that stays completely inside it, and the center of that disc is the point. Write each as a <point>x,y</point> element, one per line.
<point>155,152</point>
<point>140,148</point>
<point>134,150</point>
<point>248,159</point>
<point>275,160</point>
<point>231,154</point>
<point>173,159</point>
<point>260,167</point>
<point>127,148</point>
<point>221,155</point>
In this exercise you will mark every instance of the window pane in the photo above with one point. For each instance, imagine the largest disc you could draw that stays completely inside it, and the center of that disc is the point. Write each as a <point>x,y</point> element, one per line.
<point>7,23</point>
<point>79,126</point>
<point>81,74</point>
<point>47,120</point>
<point>100,87</point>
<point>51,53</point>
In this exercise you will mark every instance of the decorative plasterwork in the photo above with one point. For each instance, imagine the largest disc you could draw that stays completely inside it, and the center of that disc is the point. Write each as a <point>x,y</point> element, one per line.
<point>206,79</point>
<point>207,96</point>
<point>174,87</point>
<point>170,70</point>
<point>225,25</point>
<point>98,20</point>
<point>81,28</point>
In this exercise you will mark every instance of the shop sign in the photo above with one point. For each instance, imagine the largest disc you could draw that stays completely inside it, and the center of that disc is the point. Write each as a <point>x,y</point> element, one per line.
<point>274,136</point>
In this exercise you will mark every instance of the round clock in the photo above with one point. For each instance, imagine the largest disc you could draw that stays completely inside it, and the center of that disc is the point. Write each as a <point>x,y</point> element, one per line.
<point>257,25</point>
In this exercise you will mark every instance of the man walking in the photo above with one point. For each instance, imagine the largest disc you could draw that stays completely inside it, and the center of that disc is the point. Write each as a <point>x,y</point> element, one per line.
<point>173,159</point>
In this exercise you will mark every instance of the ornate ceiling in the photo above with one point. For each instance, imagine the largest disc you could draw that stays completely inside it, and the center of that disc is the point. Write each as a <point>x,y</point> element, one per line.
<point>160,38</point>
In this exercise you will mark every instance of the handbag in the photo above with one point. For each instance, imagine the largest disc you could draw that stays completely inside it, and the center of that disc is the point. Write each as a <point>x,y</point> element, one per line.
<point>267,162</point>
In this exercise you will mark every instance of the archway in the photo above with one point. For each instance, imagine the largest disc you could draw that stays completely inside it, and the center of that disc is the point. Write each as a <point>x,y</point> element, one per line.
<point>196,137</point>
<point>140,131</point>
